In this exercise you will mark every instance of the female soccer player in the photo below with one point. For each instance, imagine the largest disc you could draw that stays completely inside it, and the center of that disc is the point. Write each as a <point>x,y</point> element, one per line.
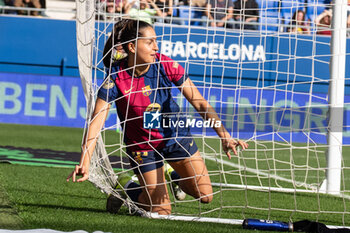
<point>140,84</point>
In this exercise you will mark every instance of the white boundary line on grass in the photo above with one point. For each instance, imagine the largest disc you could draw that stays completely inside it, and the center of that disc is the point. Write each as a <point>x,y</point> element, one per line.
<point>257,172</point>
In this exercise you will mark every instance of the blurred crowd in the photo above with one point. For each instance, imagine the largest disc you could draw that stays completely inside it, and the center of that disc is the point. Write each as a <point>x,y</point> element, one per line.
<point>215,13</point>
<point>295,16</point>
<point>22,6</point>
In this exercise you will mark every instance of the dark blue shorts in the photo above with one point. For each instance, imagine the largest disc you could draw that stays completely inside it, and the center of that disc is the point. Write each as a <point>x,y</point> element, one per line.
<point>145,161</point>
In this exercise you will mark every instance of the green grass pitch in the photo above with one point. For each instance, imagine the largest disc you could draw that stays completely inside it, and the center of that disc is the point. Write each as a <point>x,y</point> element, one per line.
<point>39,197</point>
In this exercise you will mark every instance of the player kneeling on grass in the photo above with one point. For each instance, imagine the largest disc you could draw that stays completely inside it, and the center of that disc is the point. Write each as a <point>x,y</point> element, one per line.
<point>142,82</point>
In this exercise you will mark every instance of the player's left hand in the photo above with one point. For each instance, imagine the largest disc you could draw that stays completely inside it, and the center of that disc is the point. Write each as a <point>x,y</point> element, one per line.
<point>80,170</point>
<point>232,144</point>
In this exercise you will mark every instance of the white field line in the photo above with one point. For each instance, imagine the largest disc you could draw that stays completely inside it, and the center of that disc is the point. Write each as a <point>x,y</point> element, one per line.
<point>312,188</point>
<point>260,173</point>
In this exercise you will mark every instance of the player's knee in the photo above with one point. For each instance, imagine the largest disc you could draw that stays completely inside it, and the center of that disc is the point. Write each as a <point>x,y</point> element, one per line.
<point>206,194</point>
<point>205,199</point>
<point>164,210</point>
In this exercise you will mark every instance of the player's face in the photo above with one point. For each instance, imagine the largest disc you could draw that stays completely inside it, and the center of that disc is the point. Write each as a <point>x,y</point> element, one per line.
<point>327,20</point>
<point>146,47</point>
<point>300,16</point>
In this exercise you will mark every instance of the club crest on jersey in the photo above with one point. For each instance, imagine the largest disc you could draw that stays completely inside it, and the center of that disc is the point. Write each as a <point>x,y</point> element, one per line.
<point>108,84</point>
<point>146,91</point>
<point>175,65</point>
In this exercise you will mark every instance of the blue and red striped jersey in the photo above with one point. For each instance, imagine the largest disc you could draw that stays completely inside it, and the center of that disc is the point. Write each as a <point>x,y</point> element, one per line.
<point>148,92</point>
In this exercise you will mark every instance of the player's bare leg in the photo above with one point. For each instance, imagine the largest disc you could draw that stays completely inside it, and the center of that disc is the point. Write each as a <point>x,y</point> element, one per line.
<point>154,196</point>
<point>196,181</point>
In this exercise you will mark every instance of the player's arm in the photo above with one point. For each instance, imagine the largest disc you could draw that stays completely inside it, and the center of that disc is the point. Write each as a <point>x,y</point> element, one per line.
<point>97,121</point>
<point>192,94</point>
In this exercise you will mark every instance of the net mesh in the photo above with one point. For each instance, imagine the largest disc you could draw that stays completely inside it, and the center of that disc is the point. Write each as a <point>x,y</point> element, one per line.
<point>269,86</point>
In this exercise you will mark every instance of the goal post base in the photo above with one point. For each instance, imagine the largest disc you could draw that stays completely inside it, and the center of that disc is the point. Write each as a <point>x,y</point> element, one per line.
<point>323,189</point>
<point>195,219</point>
<point>211,220</point>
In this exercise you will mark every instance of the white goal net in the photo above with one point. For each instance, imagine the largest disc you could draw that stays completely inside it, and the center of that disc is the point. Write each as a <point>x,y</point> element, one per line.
<point>269,81</point>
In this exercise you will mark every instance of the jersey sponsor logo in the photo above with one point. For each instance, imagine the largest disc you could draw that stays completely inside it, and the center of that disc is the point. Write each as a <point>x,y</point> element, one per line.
<point>191,144</point>
<point>108,84</point>
<point>153,107</point>
<point>146,91</point>
<point>127,91</point>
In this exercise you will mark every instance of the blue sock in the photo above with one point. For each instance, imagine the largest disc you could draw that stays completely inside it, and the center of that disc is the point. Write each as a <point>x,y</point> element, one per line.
<point>133,190</point>
<point>175,177</point>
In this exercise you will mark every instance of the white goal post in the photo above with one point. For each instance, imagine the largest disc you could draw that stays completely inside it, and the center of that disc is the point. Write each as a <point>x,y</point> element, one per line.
<point>336,98</point>
<point>281,91</point>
